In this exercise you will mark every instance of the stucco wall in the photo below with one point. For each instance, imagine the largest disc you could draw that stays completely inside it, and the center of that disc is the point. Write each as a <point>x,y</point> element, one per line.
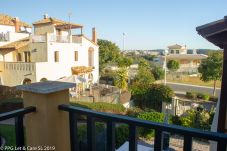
<point>15,73</point>
<point>43,29</point>
<point>38,52</point>
<point>5,29</point>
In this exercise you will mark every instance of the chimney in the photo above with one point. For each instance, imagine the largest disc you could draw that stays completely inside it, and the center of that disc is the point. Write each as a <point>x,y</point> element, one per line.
<point>45,16</point>
<point>17,24</point>
<point>94,35</point>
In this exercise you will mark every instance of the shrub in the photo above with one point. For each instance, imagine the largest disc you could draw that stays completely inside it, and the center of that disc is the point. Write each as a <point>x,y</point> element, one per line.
<point>133,112</point>
<point>102,107</point>
<point>203,96</point>
<point>152,96</point>
<point>191,95</point>
<point>213,98</point>
<point>150,116</point>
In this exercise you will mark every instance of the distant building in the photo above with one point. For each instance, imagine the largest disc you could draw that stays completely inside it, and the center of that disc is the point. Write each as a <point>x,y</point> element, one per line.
<point>188,62</point>
<point>53,52</point>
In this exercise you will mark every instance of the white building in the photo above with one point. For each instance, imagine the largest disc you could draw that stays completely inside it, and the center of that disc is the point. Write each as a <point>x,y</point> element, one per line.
<point>51,53</point>
<point>188,62</point>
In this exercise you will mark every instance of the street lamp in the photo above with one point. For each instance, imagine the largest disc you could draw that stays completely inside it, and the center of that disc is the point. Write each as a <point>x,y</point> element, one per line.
<point>123,44</point>
<point>165,65</point>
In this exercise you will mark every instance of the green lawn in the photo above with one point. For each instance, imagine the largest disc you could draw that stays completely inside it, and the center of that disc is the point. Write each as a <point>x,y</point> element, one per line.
<point>8,132</point>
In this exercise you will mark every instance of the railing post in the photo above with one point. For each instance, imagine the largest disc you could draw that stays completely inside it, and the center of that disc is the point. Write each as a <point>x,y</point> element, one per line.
<point>19,130</point>
<point>187,143</point>
<point>73,131</point>
<point>48,126</point>
<point>91,133</point>
<point>132,138</point>
<point>110,136</point>
<point>158,140</point>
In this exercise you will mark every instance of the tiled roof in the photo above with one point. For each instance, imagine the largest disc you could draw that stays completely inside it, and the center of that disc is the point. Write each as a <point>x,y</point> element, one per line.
<point>55,21</point>
<point>16,44</point>
<point>176,46</point>
<point>8,20</point>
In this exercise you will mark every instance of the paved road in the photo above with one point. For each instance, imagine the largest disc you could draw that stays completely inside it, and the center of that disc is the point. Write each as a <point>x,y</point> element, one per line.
<point>187,87</point>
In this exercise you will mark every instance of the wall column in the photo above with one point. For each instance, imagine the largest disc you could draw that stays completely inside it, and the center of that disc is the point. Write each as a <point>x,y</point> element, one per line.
<point>48,126</point>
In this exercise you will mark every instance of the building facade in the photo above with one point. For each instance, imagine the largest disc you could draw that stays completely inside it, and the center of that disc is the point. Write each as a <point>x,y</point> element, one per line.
<point>188,62</point>
<point>53,52</point>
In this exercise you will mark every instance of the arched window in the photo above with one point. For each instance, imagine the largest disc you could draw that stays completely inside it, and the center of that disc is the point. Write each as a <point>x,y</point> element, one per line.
<point>27,81</point>
<point>43,79</point>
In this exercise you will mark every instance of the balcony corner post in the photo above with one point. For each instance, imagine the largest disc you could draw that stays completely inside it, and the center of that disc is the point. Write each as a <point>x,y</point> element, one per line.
<point>48,126</point>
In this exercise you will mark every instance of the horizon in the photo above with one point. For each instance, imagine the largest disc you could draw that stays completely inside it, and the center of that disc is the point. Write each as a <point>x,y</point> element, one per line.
<point>147,25</point>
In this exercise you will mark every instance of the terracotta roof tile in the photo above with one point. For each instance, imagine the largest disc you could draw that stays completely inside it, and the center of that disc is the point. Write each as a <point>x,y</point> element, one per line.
<point>16,44</point>
<point>55,21</point>
<point>8,20</point>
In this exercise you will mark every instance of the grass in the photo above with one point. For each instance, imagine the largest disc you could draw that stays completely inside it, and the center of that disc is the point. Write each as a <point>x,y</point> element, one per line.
<point>192,80</point>
<point>8,132</point>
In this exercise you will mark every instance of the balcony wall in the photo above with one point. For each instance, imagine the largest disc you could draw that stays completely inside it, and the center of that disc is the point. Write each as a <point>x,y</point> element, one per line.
<point>56,38</point>
<point>13,73</point>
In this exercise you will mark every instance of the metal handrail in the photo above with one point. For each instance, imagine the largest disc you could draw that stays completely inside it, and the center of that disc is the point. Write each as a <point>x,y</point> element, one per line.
<point>19,127</point>
<point>188,133</point>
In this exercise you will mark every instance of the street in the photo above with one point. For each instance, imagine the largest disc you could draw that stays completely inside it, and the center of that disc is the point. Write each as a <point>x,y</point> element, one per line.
<point>179,87</point>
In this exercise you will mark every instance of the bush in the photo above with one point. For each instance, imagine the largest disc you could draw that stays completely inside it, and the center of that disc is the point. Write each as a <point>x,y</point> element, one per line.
<point>198,118</point>
<point>133,112</point>
<point>213,99</point>
<point>195,95</point>
<point>149,116</point>
<point>102,107</point>
<point>191,95</point>
<point>152,96</point>
<point>203,96</point>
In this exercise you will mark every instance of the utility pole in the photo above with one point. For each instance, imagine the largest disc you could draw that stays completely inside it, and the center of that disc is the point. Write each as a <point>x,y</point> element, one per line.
<point>70,14</point>
<point>165,66</point>
<point>123,47</point>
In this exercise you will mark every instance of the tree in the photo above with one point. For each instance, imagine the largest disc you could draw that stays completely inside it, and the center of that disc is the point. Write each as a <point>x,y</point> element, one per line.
<point>158,73</point>
<point>211,68</point>
<point>152,96</point>
<point>124,62</point>
<point>121,79</point>
<point>108,52</point>
<point>173,65</point>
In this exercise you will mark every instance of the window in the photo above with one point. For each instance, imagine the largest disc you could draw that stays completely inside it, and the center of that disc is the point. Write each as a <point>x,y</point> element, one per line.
<point>56,56</point>
<point>177,51</point>
<point>19,58</point>
<point>172,51</point>
<point>27,56</point>
<point>76,55</point>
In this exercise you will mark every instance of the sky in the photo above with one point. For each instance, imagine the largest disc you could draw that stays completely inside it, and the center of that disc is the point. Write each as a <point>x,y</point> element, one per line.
<point>147,24</point>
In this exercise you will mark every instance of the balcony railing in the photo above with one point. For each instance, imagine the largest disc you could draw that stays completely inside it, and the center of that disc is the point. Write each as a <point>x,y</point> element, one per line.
<point>38,38</point>
<point>18,116</point>
<point>18,66</point>
<point>133,123</point>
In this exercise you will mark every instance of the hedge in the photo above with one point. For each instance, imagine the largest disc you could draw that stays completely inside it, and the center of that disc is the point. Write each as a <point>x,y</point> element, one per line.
<point>102,107</point>
<point>197,95</point>
<point>150,116</point>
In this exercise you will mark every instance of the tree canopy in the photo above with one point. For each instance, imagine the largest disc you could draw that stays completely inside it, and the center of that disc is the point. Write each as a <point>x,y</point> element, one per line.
<point>108,52</point>
<point>158,73</point>
<point>173,65</point>
<point>211,68</point>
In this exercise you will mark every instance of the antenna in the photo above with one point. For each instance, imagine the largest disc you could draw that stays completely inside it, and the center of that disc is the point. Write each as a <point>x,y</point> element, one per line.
<point>69,14</point>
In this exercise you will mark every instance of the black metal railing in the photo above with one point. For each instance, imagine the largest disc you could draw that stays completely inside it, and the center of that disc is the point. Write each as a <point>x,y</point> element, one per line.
<point>18,116</point>
<point>111,119</point>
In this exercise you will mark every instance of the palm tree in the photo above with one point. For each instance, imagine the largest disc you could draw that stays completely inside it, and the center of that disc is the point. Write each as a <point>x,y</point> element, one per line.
<point>121,79</point>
